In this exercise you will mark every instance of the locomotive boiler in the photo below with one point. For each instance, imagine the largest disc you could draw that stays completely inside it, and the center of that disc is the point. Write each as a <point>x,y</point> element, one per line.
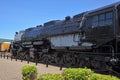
<point>89,39</point>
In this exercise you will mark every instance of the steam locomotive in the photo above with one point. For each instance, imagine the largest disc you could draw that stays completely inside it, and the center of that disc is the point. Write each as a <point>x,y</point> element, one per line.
<point>89,39</point>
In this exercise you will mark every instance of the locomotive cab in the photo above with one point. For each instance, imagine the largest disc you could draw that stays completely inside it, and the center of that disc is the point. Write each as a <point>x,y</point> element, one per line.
<point>118,27</point>
<point>99,27</point>
<point>118,20</point>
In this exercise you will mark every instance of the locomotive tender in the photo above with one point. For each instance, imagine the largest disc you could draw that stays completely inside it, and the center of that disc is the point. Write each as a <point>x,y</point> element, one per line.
<point>89,39</point>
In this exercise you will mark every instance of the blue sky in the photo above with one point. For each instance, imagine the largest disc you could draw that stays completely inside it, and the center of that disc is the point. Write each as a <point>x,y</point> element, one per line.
<point>18,15</point>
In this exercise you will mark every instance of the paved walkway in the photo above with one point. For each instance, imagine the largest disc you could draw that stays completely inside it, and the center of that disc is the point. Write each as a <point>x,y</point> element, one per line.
<point>11,70</point>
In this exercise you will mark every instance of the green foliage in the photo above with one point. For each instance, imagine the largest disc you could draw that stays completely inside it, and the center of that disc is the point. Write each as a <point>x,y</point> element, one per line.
<point>50,77</point>
<point>84,74</point>
<point>102,77</point>
<point>29,72</point>
<point>5,40</point>
<point>76,74</point>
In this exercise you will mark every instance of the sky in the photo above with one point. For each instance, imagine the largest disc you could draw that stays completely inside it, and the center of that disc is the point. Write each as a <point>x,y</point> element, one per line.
<point>16,15</point>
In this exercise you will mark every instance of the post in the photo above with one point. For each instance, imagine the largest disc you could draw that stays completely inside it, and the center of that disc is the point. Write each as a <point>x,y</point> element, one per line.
<point>1,55</point>
<point>60,67</point>
<point>11,57</point>
<point>7,56</point>
<point>4,55</point>
<point>61,62</point>
<point>21,58</point>
<point>28,59</point>
<point>15,59</point>
<point>36,62</point>
<point>47,62</point>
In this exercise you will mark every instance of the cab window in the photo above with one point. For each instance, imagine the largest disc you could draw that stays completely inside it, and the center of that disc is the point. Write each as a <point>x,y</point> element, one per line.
<point>102,19</point>
<point>109,17</point>
<point>95,21</point>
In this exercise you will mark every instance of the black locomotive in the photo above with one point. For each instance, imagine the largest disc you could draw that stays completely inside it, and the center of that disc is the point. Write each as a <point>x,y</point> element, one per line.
<point>90,39</point>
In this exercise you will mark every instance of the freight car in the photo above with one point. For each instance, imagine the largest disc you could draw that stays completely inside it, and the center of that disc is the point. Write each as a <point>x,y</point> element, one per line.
<point>4,46</point>
<point>89,39</point>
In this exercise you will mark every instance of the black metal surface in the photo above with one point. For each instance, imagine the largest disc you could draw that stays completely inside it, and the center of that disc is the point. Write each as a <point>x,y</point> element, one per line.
<point>58,28</point>
<point>102,32</point>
